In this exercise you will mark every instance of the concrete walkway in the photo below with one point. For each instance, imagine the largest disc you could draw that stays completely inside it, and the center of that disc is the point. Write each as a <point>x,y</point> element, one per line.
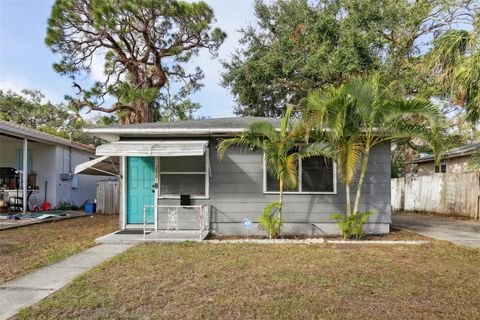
<point>31,288</point>
<point>462,232</point>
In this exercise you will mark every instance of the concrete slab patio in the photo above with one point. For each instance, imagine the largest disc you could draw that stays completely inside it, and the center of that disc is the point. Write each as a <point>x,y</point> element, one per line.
<point>462,232</point>
<point>31,288</point>
<point>152,236</point>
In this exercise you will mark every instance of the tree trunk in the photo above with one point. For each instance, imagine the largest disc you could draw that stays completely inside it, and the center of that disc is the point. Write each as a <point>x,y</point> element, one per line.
<point>280,200</point>
<point>349,202</point>
<point>363,171</point>
<point>142,114</point>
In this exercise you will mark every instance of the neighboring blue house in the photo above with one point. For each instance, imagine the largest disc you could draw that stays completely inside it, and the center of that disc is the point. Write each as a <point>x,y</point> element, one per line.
<point>160,162</point>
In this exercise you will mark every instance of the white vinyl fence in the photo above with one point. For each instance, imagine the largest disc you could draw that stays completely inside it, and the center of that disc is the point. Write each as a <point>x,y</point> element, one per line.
<point>108,197</point>
<point>444,193</point>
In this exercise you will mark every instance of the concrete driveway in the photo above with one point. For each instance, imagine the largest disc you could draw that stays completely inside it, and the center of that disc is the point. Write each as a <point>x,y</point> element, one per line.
<point>462,232</point>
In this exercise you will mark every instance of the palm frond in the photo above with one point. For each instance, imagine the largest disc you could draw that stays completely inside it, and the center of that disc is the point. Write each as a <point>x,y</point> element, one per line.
<point>318,149</point>
<point>263,129</point>
<point>300,130</point>
<point>434,137</point>
<point>348,158</point>
<point>284,122</point>
<point>416,110</point>
<point>450,48</point>
<point>290,172</point>
<point>243,141</point>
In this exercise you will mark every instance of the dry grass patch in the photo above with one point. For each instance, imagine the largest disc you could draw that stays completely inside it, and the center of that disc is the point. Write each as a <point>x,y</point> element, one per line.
<point>26,248</point>
<point>202,281</point>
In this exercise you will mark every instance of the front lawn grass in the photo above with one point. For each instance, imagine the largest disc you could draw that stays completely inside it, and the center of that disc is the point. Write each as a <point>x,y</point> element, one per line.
<point>226,281</point>
<point>26,248</point>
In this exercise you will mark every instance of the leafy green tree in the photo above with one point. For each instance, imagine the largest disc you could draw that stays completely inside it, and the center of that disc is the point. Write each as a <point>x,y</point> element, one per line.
<point>364,113</point>
<point>282,150</point>
<point>28,109</point>
<point>146,44</point>
<point>175,107</point>
<point>300,45</point>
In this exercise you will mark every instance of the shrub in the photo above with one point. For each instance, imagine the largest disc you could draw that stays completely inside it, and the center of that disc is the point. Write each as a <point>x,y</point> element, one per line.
<point>352,226</point>
<point>271,223</point>
<point>67,205</point>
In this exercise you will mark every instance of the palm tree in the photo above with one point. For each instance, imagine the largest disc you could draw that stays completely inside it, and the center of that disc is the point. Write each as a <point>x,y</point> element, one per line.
<point>455,60</point>
<point>282,150</point>
<point>330,111</point>
<point>362,114</point>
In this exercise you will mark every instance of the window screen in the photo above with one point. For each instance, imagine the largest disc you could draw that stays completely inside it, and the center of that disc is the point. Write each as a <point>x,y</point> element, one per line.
<point>274,186</point>
<point>177,184</point>
<point>182,164</point>
<point>183,175</point>
<point>315,174</point>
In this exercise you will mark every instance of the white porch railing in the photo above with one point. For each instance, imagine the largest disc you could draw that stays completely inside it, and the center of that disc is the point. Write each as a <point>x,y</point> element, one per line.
<point>170,218</point>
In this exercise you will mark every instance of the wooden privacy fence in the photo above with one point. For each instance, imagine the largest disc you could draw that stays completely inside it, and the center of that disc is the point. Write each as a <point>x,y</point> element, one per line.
<point>445,193</point>
<point>108,197</point>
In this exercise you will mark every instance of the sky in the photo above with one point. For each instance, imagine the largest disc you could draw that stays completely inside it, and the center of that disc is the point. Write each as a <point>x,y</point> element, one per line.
<point>26,62</point>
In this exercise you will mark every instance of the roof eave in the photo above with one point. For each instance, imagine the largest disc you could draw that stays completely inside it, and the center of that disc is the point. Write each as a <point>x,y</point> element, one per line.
<point>448,156</point>
<point>31,136</point>
<point>171,131</point>
<point>111,134</point>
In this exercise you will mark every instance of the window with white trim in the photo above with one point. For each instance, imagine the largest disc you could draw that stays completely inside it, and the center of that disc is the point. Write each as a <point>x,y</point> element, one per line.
<point>441,168</point>
<point>315,175</point>
<point>183,175</point>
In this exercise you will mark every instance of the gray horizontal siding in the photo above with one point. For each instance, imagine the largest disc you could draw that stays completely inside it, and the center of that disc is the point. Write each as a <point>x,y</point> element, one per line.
<point>236,190</point>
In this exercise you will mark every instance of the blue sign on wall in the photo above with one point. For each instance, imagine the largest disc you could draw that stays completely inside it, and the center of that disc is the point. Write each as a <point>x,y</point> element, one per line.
<point>247,223</point>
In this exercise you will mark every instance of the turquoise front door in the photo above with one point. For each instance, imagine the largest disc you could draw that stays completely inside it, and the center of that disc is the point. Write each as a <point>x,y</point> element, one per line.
<point>140,181</point>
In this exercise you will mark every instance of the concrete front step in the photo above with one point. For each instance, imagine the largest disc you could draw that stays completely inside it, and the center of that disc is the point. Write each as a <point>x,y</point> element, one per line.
<point>153,236</point>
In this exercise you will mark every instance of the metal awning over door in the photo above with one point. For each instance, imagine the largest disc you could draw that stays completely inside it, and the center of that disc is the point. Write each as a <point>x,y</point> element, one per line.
<point>164,148</point>
<point>100,167</point>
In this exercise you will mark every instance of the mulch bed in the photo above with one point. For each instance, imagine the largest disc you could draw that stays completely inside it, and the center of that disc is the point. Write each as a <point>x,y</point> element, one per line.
<point>395,234</point>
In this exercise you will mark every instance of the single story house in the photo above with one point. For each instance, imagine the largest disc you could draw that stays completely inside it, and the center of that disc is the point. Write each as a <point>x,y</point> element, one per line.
<point>453,161</point>
<point>172,179</point>
<point>48,176</point>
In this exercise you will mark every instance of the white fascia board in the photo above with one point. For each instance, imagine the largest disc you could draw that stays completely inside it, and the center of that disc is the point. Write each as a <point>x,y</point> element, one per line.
<point>114,134</point>
<point>165,131</point>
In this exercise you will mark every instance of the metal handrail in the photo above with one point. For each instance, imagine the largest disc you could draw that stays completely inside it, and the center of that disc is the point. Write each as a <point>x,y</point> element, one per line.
<point>203,214</point>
